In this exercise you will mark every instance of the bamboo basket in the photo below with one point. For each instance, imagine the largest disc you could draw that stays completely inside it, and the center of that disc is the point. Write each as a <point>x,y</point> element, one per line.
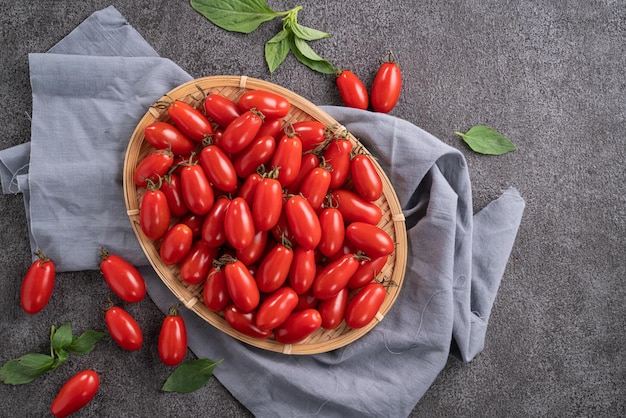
<point>191,295</point>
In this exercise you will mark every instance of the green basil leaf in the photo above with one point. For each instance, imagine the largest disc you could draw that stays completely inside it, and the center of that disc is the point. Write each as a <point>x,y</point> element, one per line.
<point>25,369</point>
<point>305,54</point>
<point>485,140</point>
<point>308,34</point>
<point>235,15</point>
<point>61,337</point>
<point>276,49</point>
<point>61,356</point>
<point>190,376</point>
<point>85,343</point>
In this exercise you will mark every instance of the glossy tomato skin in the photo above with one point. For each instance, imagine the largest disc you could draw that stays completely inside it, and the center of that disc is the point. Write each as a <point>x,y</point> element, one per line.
<point>334,276</point>
<point>197,192</point>
<point>276,308</point>
<point>370,239</point>
<point>268,204</point>
<point>241,132</point>
<point>190,120</point>
<point>258,152</point>
<point>368,270</point>
<point>213,232</point>
<point>274,268</point>
<point>287,159</point>
<point>272,105</point>
<point>220,109</point>
<point>356,209</point>
<point>164,135</point>
<point>171,187</point>
<point>364,306</point>
<point>271,127</point>
<point>172,343</point>
<point>308,162</point>
<point>154,214</point>
<point>242,287</point>
<point>239,224</point>
<point>337,156</point>
<point>312,133</point>
<point>122,277</point>
<point>386,86</point>
<point>352,90</point>
<point>365,178</point>
<point>197,263</point>
<point>253,252</point>
<point>215,292</point>
<point>76,393</point>
<point>123,328</point>
<point>38,284</point>
<point>244,322</point>
<point>333,231</point>
<point>194,222</point>
<point>218,168</point>
<point>176,244</point>
<point>315,187</point>
<point>306,300</point>
<point>152,167</point>
<point>303,270</point>
<point>298,326</point>
<point>332,310</point>
<point>248,188</point>
<point>303,222</point>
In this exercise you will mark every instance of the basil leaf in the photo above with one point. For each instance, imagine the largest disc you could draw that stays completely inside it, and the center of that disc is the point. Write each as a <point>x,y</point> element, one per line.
<point>85,343</point>
<point>25,369</point>
<point>276,49</point>
<point>305,54</point>
<point>61,337</point>
<point>235,15</point>
<point>190,376</point>
<point>308,34</point>
<point>485,140</point>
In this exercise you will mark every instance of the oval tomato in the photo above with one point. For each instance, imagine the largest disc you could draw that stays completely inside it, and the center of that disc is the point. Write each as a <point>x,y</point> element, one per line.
<point>253,252</point>
<point>123,328</point>
<point>122,277</point>
<point>194,222</point>
<point>173,193</point>
<point>242,287</point>
<point>364,306</point>
<point>315,186</point>
<point>268,203</point>
<point>176,243</point>
<point>298,326</point>
<point>272,105</point>
<point>332,310</point>
<point>197,263</point>
<point>248,188</point>
<point>172,343</point>
<point>312,133</point>
<point>258,152</point>
<point>365,178</point>
<point>244,322</point>
<point>386,86</point>
<point>218,168</point>
<point>241,132</point>
<point>303,222</point>
<point>303,269</point>
<point>220,109</point>
<point>197,192</point>
<point>368,270</point>
<point>270,127</point>
<point>190,120</point>
<point>38,284</point>
<point>276,308</point>
<point>215,292</point>
<point>154,214</point>
<point>239,224</point>
<point>308,162</point>
<point>334,276</point>
<point>352,90</point>
<point>333,231</point>
<point>213,232</point>
<point>76,393</point>
<point>370,239</point>
<point>306,300</point>
<point>274,268</point>
<point>164,135</point>
<point>356,209</point>
<point>337,156</point>
<point>287,159</point>
<point>152,167</point>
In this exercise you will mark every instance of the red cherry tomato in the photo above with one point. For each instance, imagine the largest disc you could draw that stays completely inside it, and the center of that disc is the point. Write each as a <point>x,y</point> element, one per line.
<point>239,224</point>
<point>333,231</point>
<point>276,308</point>
<point>190,121</point>
<point>303,269</point>
<point>76,393</point>
<point>218,168</point>
<point>303,222</point>
<point>172,343</point>
<point>123,328</point>
<point>334,276</point>
<point>312,133</point>
<point>370,239</point>
<point>386,86</point>
<point>354,208</point>
<point>213,232</point>
<point>173,193</point>
<point>253,252</point>
<point>298,326</point>
<point>268,203</point>
<point>215,292</point>
<point>154,214</point>
<point>152,167</point>
<point>270,127</point>
<point>352,90</point>
<point>197,263</point>
<point>272,105</point>
<point>241,132</point>
<point>258,152</point>
<point>220,109</point>
<point>122,277</point>
<point>337,156</point>
<point>244,322</point>
<point>368,270</point>
<point>194,222</point>
<point>365,178</point>
<point>315,186</point>
<point>287,159</point>
<point>197,192</point>
<point>176,243</point>
<point>332,310</point>
<point>274,268</point>
<point>248,188</point>
<point>308,162</point>
<point>306,300</point>
<point>163,135</point>
<point>38,284</point>
<point>241,285</point>
<point>364,306</point>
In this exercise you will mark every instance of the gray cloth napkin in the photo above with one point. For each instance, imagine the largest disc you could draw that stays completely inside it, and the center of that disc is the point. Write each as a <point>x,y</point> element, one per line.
<point>89,92</point>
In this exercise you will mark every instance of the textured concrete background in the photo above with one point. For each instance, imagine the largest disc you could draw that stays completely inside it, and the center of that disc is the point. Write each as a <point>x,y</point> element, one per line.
<point>549,76</point>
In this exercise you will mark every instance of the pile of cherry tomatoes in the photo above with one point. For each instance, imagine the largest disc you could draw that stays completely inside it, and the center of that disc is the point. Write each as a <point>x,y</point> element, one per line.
<point>277,221</point>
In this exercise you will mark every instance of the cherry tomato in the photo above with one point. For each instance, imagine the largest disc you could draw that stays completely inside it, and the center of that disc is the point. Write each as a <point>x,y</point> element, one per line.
<point>272,105</point>
<point>38,284</point>
<point>368,270</point>
<point>287,159</point>
<point>298,326</point>
<point>123,328</point>
<point>268,203</point>
<point>172,343</point>
<point>173,193</point>
<point>244,322</point>
<point>218,168</point>
<point>76,393</point>
<point>190,120</point>
<point>197,263</point>
<point>276,308</point>
<point>365,178</point>
<point>354,208</point>
<point>274,268</point>
<point>337,156</point>
<point>370,239</point>
<point>315,186</point>
<point>241,132</point>
<point>164,135</point>
<point>248,188</point>
<point>220,109</point>
<point>154,214</point>
<point>333,309</point>
<point>122,277</point>
<point>152,167</point>
<point>352,90</point>
<point>333,231</point>
<point>259,151</point>
<point>215,292</point>
<point>197,192</point>
<point>194,222</point>
<point>241,285</point>
<point>253,252</point>
<point>213,232</point>
<point>308,162</point>
<point>334,276</point>
<point>364,306</point>
<point>306,300</point>
<point>386,86</point>
<point>239,224</point>
<point>271,127</point>
<point>303,222</point>
<point>303,269</point>
<point>176,243</point>
<point>312,133</point>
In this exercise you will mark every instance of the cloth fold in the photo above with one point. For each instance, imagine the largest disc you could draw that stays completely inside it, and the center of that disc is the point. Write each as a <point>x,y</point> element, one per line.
<point>89,92</point>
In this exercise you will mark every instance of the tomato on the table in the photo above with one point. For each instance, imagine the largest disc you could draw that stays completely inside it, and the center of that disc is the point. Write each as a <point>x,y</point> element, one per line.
<point>352,90</point>
<point>75,393</point>
<point>172,342</point>
<point>123,328</point>
<point>122,277</point>
<point>38,284</point>
<point>386,86</point>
